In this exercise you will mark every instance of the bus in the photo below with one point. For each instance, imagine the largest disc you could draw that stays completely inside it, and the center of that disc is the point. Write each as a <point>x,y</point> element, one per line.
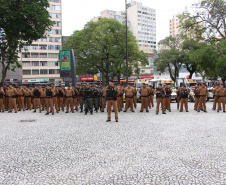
<point>190,83</point>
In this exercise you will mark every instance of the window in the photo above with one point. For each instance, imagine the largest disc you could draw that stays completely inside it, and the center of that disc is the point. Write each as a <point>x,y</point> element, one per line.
<point>42,47</point>
<point>26,63</point>
<point>26,47</point>
<point>54,31</point>
<point>56,1</point>
<point>26,72</point>
<point>43,55</point>
<point>34,55</point>
<point>53,55</point>
<point>54,71</point>
<point>55,15</point>
<point>52,63</point>
<point>43,71</point>
<point>43,40</point>
<point>25,55</point>
<point>43,63</point>
<point>35,63</point>
<point>54,7</point>
<point>34,47</point>
<point>54,39</point>
<point>35,72</point>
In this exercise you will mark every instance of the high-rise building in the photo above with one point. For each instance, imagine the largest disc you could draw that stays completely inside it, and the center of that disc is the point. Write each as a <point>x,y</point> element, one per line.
<point>174,29</point>
<point>40,60</point>
<point>142,23</point>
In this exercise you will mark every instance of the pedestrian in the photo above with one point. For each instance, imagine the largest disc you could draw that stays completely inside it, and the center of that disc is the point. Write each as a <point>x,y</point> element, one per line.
<point>12,98</point>
<point>216,98</point>
<point>2,94</point>
<point>221,98</point>
<point>55,102</point>
<point>152,91</point>
<point>168,91</point>
<point>69,93</point>
<point>36,94</point>
<point>49,100</point>
<point>178,97</point>
<point>95,99</point>
<point>20,98</point>
<point>144,93</point>
<point>202,100</point>
<point>43,96</point>
<point>197,96</point>
<point>129,93</point>
<point>104,93</point>
<point>111,97</point>
<point>134,96</point>
<point>27,98</point>
<point>184,98</point>
<point>88,93</point>
<point>160,95</point>
<point>82,99</point>
<point>60,98</point>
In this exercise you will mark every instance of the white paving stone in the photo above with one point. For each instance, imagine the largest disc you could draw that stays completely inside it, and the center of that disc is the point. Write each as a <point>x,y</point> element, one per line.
<point>142,148</point>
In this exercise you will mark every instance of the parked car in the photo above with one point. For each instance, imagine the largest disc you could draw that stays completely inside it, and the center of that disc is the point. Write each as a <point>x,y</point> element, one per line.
<point>191,96</point>
<point>174,95</point>
<point>210,93</point>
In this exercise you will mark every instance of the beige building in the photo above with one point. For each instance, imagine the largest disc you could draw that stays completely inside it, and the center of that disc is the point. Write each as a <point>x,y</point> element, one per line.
<point>174,29</point>
<point>40,60</point>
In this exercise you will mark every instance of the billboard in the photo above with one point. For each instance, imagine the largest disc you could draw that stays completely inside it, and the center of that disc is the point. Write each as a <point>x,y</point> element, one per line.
<point>65,60</point>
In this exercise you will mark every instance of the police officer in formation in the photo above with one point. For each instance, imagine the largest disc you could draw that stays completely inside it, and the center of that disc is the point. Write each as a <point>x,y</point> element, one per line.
<point>42,98</point>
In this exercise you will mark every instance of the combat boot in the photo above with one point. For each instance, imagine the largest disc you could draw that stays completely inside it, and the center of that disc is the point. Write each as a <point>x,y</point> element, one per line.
<point>86,111</point>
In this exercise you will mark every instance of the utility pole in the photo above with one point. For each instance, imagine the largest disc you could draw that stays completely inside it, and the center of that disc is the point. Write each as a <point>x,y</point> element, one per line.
<point>126,46</point>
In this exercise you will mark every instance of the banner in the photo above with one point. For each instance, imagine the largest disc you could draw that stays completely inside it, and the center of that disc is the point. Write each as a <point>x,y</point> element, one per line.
<point>65,60</point>
<point>87,78</point>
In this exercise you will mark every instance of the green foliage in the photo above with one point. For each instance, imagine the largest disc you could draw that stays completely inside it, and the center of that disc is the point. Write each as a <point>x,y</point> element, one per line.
<point>101,46</point>
<point>171,58</point>
<point>21,22</point>
<point>210,15</point>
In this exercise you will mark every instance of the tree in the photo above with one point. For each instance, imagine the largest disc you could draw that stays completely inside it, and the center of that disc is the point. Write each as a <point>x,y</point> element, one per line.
<point>206,58</point>
<point>21,22</point>
<point>171,58</point>
<point>211,14</point>
<point>221,59</point>
<point>101,46</point>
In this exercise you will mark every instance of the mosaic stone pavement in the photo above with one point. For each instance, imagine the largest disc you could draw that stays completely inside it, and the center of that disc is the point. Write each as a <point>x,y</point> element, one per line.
<point>142,148</point>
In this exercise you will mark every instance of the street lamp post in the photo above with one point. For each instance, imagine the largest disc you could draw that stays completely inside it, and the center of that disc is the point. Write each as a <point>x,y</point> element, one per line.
<point>126,47</point>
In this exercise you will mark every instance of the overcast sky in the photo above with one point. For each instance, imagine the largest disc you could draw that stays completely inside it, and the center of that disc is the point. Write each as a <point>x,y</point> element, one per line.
<point>76,13</point>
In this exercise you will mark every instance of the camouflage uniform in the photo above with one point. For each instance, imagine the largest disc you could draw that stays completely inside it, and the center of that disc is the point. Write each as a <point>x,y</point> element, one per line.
<point>88,100</point>
<point>95,99</point>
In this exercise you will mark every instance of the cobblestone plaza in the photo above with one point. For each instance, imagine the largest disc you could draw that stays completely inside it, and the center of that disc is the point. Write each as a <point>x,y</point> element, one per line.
<point>142,148</point>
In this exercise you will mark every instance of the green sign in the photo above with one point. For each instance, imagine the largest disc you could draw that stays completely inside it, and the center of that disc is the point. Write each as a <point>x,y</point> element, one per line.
<point>65,60</point>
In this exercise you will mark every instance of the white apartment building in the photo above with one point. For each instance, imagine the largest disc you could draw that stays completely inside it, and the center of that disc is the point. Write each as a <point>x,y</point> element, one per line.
<point>40,60</point>
<point>143,25</point>
<point>141,22</point>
